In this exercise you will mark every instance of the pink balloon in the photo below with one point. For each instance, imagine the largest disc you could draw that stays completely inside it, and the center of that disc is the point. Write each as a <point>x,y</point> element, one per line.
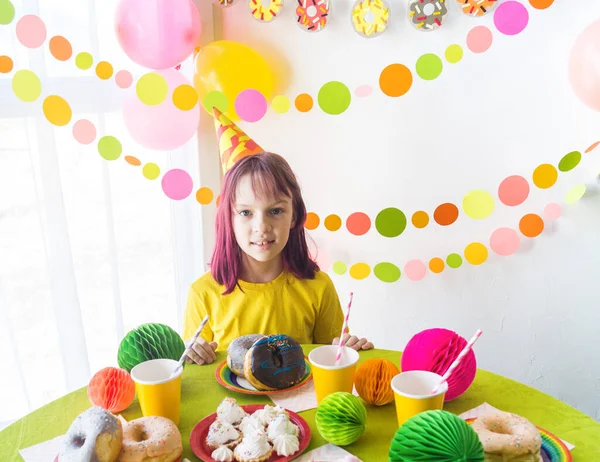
<point>158,34</point>
<point>584,66</point>
<point>164,126</point>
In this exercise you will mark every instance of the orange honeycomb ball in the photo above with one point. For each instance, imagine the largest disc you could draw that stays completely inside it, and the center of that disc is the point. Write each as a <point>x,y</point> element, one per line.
<point>373,381</point>
<point>112,388</point>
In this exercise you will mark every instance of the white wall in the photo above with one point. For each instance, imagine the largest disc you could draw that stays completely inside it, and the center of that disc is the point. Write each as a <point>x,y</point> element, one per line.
<point>492,115</point>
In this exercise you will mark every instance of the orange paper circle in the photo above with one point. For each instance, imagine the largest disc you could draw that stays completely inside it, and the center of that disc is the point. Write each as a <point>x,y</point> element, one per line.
<point>333,222</point>
<point>312,221</point>
<point>420,219</point>
<point>204,195</point>
<point>60,48</point>
<point>6,64</point>
<point>304,102</point>
<point>531,225</point>
<point>104,70</point>
<point>544,176</point>
<point>395,80</point>
<point>436,265</point>
<point>133,161</point>
<point>445,214</point>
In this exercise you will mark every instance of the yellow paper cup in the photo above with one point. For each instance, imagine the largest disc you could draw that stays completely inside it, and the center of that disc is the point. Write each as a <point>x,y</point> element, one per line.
<point>158,394</point>
<point>412,393</point>
<point>329,378</point>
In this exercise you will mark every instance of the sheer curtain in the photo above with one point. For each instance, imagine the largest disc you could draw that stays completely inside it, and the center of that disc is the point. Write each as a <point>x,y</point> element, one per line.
<point>89,249</point>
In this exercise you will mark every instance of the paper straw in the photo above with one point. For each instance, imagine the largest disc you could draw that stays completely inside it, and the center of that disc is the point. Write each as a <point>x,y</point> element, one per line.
<point>190,344</point>
<point>339,351</point>
<point>457,361</point>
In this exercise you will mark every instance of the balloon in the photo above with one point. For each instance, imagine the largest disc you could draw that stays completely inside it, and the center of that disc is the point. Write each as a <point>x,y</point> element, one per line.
<point>164,126</point>
<point>158,34</point>
<point>584,66</point>
<point>231,67</point>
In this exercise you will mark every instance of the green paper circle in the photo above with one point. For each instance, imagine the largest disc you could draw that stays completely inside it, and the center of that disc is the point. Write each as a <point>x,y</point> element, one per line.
<point>454,53</point>
<point>429,66</point>
<point>334,98</point>
<point>387,272</point>
<point>341,418</point>
<point>110,148</point>
<point>7,12</point>
<point>454,260</point>
<point>84,61</point>
<point>570,161</point>
<point>390,222</point>
<point>339,268</point>
<point>216,99</point>
<point>26,85</point>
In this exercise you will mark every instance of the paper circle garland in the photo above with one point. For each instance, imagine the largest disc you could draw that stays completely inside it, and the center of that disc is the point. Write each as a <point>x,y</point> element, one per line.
<point>435,350</point>
<point>149,341</point>
<point>373,381</point>
<point>341,418</point>
<point>112,389</point>
<point>436,435</point>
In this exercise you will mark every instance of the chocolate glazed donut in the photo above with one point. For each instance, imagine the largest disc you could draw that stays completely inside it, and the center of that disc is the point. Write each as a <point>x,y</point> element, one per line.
<point>274,363</point>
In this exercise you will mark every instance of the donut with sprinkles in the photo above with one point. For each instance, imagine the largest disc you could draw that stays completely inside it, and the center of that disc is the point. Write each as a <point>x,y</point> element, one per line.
<point>477,7</point>
<point>265,10</point>
<point>224,3</point>
<point>312,15</point>
<point>427,14</point>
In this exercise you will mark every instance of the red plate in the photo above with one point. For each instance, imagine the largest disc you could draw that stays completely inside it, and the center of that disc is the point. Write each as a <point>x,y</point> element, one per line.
<point>200,432</point>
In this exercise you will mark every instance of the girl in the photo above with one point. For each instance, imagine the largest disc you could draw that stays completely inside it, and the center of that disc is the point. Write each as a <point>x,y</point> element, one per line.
<point>261,278</point>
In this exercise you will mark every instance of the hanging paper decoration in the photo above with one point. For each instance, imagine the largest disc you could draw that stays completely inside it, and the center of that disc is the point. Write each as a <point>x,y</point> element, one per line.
<point>313,15</point>
<point>427,15</point>
<point>225,3</point>
<point>370,17</point>
<point>477,7</point>
<point>265,10</point>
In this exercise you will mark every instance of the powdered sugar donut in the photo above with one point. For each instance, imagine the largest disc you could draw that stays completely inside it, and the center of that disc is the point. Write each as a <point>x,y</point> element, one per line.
<point>265,10</point>
<point>312,15</point>
<point>477,7</point>
<point>427,14</point>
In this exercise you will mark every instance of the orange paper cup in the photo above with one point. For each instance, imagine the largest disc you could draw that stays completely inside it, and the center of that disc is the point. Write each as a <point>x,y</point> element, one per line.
<point>329,378</point>
<point>158,394</point>
<point>412,393</point>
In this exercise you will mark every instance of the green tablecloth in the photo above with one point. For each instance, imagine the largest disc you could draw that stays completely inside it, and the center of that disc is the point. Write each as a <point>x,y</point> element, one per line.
<point>201,394</point>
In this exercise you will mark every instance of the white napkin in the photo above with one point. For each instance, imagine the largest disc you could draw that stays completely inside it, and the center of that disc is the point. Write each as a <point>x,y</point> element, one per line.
<point>328,453</point>
<point>43,452</point>
<point>300,399</point>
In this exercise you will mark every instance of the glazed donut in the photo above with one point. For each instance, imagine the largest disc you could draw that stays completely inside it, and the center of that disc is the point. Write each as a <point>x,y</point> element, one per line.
<point>265,10</point>
<point>95,434</point>
<point>507,436</point>
<point>274,363</point>
<point>477,7</point>
<point>427,14</point>
<point>236,352</point>
<point>312,15</point>
<point>370,17</point>
<point>155,439</point>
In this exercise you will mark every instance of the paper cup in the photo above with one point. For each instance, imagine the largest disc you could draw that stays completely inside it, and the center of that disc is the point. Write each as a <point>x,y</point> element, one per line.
<point>329,378</point>
<point>158,394</point>
<point>412,393</point>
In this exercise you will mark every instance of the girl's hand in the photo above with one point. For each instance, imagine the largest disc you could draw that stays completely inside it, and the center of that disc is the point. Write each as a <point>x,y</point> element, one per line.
<point>352,341</point>
<point>202,352</point>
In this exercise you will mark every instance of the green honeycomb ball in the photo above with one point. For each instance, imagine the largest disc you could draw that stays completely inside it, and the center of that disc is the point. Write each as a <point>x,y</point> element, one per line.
<point>341,418</point>
<point>149,341</point>
<point>436,435</point>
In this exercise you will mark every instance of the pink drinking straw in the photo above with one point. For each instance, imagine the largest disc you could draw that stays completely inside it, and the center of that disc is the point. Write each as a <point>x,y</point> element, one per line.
<point>457,361</point>
<point>339,351</point>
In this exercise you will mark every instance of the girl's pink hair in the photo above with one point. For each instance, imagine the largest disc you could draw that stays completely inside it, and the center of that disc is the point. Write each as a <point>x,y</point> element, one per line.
<point>272,177</point>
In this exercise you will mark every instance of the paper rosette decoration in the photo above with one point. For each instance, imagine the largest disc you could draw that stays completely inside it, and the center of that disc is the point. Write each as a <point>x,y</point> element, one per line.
<point>149,341</point>
<point>373,380</point>
<point>341,418</point>
<point>112,389</point>
<point>234,144</point>
<point>438,436</point>
<point>435,350</point>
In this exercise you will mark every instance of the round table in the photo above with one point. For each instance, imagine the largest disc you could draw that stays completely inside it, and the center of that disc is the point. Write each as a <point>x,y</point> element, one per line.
<point>201,395</point>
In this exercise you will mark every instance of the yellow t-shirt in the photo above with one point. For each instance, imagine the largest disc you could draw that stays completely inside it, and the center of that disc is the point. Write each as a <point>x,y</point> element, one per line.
<point>308,310</point>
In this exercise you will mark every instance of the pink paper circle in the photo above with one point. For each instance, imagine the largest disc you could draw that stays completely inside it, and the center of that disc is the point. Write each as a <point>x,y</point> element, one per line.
<point>510,18</point>
<point>415,270</point>
<point>84,131</point>
<point>177,184</point>
<point>505,241</point>
<point>513,190</point>
<point>124,79</point>
<point>31,31</point>
<point>479,39</point>
<point>552,211</point>
<point>363,91</point>
<point>251,105</point>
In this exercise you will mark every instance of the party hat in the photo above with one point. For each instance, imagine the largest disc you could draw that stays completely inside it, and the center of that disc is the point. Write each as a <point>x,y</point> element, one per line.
<point>234,144</point>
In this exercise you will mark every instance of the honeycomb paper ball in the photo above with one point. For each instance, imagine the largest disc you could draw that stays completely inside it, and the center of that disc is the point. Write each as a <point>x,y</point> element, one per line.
<point>435,350</point>
<point>341,418</point>
<point>436,436</point>
<point>149,341</point>
<point>373,381</point>
<point>112,389</point>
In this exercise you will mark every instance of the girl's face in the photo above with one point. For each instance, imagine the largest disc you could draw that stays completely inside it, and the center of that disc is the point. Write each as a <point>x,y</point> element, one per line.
<point>261,224</point>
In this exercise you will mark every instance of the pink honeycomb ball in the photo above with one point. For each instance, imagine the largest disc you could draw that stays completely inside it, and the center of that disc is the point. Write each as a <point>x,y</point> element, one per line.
<point>435,350</point>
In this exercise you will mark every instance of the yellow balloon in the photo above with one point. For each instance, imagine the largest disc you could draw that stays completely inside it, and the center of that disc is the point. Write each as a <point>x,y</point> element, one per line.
<point>230,67</point>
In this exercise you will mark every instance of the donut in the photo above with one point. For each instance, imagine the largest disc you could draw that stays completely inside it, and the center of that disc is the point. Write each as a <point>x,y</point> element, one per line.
<point>151,439</point>
<point>236,352</point>
<point>265,10</point>
<point>95,434</point>
<point>370,17</point>
<point>508,436</point>
<point>274,363</point>
<point>312,15</point>
<point>477,7</point>
<point>427,14</point>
